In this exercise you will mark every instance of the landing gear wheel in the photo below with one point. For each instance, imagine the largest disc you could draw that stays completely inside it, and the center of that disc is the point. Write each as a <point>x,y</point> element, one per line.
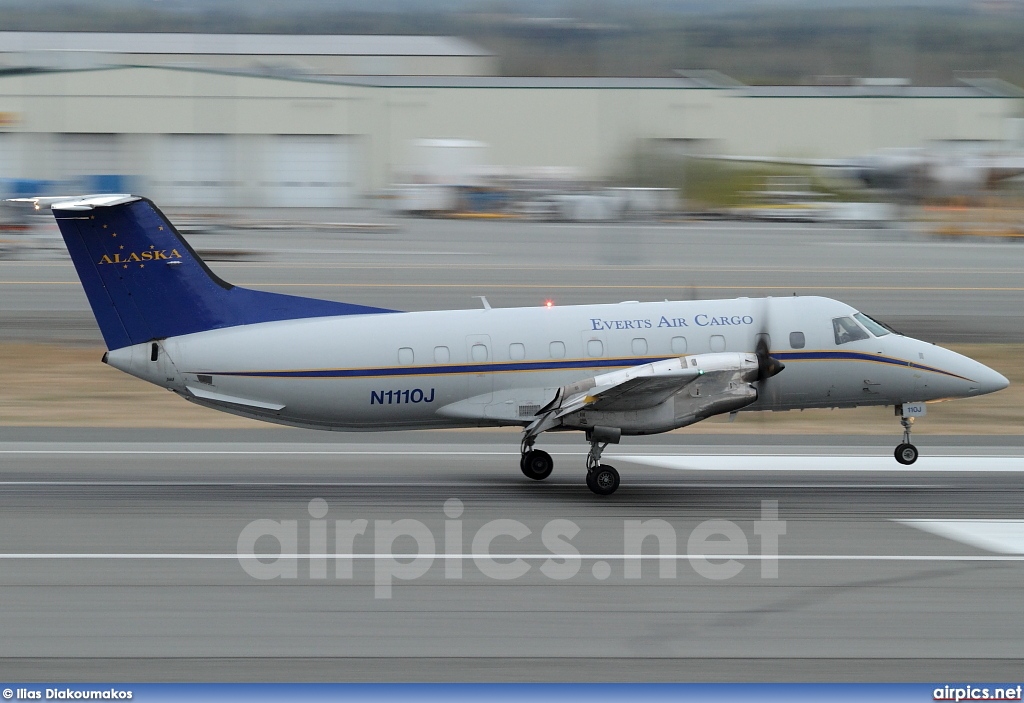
<point>536,464</point>
<point>603,480</point>
<point>906,454</point>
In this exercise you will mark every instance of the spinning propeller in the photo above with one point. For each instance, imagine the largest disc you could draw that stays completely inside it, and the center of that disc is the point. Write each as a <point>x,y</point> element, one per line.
<point>767,365</point>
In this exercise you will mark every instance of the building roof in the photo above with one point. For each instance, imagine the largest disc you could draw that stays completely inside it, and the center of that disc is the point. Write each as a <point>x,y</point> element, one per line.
<point>869,91</point>
<point>239,44</point>
<point>990,89</point>
<point>514,82</point>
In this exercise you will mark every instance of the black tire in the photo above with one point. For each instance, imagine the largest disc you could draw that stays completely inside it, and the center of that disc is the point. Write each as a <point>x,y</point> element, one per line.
<point>604,480</point>
<point>906,454</point>
<point>536,464</point>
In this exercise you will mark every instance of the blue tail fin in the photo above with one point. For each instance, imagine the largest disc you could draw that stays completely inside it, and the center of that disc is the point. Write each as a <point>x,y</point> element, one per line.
<point>145,282</point>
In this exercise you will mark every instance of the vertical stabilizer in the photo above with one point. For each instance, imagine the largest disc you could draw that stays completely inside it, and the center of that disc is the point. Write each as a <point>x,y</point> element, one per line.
<point>145,282</point>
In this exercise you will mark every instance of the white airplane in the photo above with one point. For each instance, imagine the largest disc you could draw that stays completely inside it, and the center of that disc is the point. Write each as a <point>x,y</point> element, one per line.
<point>607,370</point>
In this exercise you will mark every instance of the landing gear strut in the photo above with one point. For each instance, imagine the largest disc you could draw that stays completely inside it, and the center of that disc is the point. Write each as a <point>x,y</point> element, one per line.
<point>602,479</point>
<point>906,453</point>
<point>535,463</point>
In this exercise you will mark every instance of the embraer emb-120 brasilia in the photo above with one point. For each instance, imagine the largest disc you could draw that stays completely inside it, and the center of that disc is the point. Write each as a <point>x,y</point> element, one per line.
<point>606,370</point>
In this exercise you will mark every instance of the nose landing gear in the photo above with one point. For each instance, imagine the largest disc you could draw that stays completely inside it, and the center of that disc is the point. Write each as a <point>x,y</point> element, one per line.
<point>906,453</point>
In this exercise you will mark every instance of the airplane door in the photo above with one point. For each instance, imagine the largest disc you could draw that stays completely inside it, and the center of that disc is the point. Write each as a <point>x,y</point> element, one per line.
<point>479,358</point>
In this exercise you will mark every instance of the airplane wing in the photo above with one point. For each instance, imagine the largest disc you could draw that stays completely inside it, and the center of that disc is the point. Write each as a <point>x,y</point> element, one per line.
<point>644,386</point>
<point>634,394</point>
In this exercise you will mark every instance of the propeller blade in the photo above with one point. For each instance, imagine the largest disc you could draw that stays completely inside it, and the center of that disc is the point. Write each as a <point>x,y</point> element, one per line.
<point>767,365</point>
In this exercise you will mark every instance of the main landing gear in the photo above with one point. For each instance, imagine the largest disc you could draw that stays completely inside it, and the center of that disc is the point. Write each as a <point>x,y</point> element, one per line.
<point>535,463</point>
<point>602,479</point>
<point>906,453</point>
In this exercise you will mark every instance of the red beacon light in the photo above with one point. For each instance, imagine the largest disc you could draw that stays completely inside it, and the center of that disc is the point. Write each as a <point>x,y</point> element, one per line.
<point>549,303</point>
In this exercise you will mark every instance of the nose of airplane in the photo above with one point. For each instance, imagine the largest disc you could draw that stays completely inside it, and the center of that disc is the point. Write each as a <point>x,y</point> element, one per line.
<point>959,376</point>
<point>990,380</point>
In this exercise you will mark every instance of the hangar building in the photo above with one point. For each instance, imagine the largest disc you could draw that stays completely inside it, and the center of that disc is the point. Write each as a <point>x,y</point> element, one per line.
<point>236,134</point>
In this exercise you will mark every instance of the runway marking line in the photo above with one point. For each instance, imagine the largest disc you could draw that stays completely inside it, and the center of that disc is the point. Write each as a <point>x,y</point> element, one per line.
<point>1001,536</point>
<point>587,286</point>
<point>55,556</point>
<point>621,457</point>
<point>828,463</point>
<point>373,266</point>
<point>451,484</point>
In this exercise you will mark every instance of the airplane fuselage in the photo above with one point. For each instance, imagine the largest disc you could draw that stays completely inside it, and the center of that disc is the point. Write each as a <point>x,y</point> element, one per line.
<point>491,367</point>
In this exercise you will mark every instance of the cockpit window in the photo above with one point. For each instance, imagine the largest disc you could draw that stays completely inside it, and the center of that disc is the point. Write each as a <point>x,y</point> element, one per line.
<point>874,328</point>
<point>871,323</point>
<point>847,330</point>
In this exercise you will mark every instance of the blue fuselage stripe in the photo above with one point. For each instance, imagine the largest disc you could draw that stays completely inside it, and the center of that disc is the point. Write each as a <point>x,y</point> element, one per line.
<point>447,369</point>
<point>860,356</point>
<point>555,365</point>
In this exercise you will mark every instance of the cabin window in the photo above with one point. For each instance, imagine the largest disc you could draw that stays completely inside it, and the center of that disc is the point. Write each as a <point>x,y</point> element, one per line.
<point>797,340</point>
<point>442,355</point>
<point>405,356</point>
<point>717,343</point>
<point>846,330</point>
<point>595,347</point>
<point>516,351</point>
<point>557,350</point>
<point>478,352</point>
<point>679,345</point>
<point>639,346</point>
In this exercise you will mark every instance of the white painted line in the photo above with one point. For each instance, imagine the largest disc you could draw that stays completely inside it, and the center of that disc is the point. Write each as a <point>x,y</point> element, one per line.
<point>764,461</point>
<point>57,556</point>
<point>1001,536</point>
<point>250,452</point>
<point>489,483</point>
<point>753,462</point>
<point>496,481</point>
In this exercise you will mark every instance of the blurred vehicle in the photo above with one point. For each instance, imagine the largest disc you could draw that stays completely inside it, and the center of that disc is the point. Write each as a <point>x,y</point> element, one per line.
<point>915,173</point>
<point>793,199</point>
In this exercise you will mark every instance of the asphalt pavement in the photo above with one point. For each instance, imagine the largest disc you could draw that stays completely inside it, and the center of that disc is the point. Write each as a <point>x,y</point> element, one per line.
<point>179,555</point>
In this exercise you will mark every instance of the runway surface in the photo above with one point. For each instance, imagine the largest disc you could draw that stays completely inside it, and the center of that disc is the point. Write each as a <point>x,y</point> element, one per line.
<point>119,558</point>
<point>119,549</point>
<point>936,289</point>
